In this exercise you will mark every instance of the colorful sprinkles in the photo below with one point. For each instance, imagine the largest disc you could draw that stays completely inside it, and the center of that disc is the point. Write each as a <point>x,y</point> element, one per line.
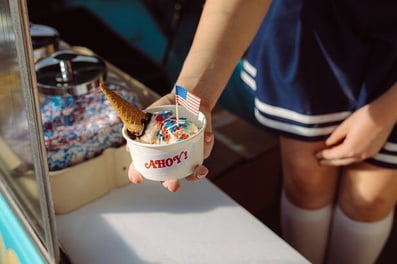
<point>168,129</point>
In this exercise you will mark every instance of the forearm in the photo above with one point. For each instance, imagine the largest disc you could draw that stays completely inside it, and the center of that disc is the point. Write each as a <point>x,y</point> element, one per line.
<point>224,32</point>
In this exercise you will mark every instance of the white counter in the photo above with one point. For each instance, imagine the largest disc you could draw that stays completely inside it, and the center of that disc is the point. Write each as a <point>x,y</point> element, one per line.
<point>147,224</point>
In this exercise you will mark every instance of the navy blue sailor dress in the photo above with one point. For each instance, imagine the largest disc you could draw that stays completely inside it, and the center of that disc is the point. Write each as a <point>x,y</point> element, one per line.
<point>314,62</point>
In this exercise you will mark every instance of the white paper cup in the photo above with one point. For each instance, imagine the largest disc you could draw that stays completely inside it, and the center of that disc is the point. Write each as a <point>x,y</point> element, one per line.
<point>170,161</point>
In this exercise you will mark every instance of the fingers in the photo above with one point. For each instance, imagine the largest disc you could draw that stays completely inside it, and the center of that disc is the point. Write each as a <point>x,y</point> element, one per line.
<point>171,185</point>
<point>199,173</point>
<point>208,143</point>
<point>133,175</point>
<point>336,152</point>
<point>339,155</point>
<point>339,162</point>
<point>136,178</point>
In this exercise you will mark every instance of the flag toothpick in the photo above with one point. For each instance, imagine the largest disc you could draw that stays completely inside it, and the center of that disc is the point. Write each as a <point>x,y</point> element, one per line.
<point>188,100</point>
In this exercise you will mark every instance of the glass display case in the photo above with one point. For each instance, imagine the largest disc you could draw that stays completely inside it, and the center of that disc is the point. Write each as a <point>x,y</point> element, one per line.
<point>51,110</point>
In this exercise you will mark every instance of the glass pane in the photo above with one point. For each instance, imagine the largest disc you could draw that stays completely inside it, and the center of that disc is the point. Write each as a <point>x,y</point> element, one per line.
<point>21,171</point>
<point>16,161</point>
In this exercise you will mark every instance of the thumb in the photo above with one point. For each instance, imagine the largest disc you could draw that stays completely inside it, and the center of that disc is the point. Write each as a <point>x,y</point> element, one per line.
<point>335,152</point>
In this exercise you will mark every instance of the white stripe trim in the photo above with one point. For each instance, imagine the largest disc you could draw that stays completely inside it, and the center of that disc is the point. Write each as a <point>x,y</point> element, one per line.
<point>298,117</point>
<point>294,129</point>
<point>248,80</point>
<point>385,158</point>
<point>249,68</point>
<point>390,146</point>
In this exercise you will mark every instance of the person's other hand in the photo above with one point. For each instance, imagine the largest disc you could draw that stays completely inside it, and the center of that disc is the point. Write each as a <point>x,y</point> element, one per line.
<point>359,137</point>
<point>200,171</point>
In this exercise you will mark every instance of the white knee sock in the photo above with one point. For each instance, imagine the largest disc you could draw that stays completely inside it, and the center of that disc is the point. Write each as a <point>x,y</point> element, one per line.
<point>357,242</point>
<point>306,230</point>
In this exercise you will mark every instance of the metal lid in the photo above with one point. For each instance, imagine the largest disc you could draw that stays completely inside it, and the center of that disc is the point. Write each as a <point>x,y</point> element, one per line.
<point>66,72</point>
<point>45,40</point>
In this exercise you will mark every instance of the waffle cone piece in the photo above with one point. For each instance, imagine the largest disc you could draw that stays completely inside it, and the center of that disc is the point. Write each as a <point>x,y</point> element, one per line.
<point>133,118</point>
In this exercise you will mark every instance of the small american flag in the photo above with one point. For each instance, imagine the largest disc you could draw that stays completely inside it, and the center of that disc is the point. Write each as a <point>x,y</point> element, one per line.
<point>187,99</point>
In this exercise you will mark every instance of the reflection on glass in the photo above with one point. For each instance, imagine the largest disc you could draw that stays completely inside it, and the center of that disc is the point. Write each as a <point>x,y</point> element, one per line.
<point>16,162</point>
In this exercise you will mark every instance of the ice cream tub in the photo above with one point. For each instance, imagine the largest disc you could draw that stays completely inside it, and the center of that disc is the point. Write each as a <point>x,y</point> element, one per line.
<point>174,160</point>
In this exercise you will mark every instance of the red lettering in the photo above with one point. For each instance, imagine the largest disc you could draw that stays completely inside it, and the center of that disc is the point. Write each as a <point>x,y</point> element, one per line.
<point>177,158</point>
<point>169,162</point>
<point>160,163</point>
<point>156,164</point>
<point>150,164</point>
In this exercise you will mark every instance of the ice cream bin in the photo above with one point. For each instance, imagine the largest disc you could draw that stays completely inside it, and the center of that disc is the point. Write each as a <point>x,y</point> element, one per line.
<point>84,147</point>
<point>82,133</point>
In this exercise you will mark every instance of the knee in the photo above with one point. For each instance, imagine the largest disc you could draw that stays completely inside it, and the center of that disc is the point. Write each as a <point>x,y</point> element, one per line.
<point>307,184</point>
<point>366,206</point>
<point>310,189</point>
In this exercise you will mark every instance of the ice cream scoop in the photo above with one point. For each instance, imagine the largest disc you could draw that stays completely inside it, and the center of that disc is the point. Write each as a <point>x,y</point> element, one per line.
<point>164,128</point>
<point>160,127</point>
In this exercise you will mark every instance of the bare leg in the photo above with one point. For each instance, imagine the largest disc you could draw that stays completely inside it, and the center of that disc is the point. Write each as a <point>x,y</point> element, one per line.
<point>307,184</point>
<point>307,202</point>
<point>368,193</point>
<point>364,216</point>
